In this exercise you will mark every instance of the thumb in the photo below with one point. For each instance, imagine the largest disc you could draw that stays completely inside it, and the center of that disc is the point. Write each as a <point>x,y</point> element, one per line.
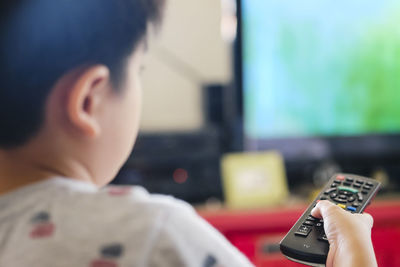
<point>325,209</point>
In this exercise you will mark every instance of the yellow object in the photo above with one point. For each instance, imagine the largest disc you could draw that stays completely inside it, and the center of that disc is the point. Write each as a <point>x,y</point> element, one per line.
<point>342,206</point>
<point>254,179</point>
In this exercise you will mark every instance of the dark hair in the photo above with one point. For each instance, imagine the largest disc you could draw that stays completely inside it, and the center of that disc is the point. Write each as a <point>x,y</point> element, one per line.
<point>43,39</point>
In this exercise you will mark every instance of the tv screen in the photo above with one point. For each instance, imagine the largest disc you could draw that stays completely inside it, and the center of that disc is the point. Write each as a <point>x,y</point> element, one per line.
<point>320,68</point>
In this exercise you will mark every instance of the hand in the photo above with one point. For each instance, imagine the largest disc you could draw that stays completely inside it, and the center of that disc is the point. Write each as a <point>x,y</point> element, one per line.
<point>349,236</point>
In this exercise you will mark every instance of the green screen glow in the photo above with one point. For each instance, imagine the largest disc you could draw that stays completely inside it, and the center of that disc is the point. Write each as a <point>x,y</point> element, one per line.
<point>321,67</point>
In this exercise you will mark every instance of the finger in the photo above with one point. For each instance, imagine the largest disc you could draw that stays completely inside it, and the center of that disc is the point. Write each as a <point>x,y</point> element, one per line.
<point>316,211</point>
<point>323,208</point>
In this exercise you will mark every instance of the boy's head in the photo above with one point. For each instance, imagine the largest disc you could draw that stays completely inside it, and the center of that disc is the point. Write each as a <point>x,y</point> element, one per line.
<point>69,79</point>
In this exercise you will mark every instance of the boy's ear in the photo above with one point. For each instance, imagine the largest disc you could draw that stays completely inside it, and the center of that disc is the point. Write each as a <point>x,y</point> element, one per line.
<point>85,97</point>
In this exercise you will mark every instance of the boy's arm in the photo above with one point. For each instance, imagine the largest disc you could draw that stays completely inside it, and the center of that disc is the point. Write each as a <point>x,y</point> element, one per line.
<point>349,236</point>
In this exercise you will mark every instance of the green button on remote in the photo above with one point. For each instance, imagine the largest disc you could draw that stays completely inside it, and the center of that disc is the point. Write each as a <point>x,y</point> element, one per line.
<point>348,189</point>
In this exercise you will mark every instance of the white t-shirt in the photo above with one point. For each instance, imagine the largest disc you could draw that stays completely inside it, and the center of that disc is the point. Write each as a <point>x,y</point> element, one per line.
<point>65,222</point>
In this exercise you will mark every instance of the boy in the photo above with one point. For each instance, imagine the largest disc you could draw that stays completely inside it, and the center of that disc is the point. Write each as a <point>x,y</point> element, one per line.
<point>70,102</point>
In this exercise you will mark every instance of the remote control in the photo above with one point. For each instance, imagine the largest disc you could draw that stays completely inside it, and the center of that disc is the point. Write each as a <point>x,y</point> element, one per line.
<point>306,242</point>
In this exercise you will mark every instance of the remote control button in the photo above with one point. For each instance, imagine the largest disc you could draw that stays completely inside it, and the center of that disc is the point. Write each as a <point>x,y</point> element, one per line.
<point>366,187</point>
<point>311,218</point>
<point>348,179</point>
<point>340,177</point>
<point>364,192</point>
<point>319,225</point>
<point>360,197</point>
<point>347,183</point>
<point>337,182</point>
<point>346,193</point>
<point>342,197</point>
<point>323,237</point>
<point>370,184</point>
<point>342,206</point>
<point>359,182</point>
<point>304,230</point>
<point>351,199</point>
<point>341,200</point>
<point>356,205</point>
<point>334,185</point>
<point>333,195</point>
<point>307,222</point>
<point>350,208</point>
<point>348,189</point>
<point>330,190</point>
<point>356,185</point>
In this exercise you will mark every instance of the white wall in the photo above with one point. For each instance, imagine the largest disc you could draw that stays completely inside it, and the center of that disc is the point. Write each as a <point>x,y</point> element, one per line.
<point>190,43</point>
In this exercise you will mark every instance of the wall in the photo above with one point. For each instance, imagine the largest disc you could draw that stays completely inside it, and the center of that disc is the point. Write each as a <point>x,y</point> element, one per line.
<point>188,53</point>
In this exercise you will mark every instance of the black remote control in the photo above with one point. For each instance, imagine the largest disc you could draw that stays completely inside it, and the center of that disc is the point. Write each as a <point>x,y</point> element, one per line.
<point>306,242</point>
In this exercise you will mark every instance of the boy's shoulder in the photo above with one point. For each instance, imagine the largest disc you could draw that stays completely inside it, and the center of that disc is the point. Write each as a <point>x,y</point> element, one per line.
<point>67,191</point>
<point>124,224</point>
<point>136,200</point>
<point>118,203</point>
<point>77,209</point>
<point>81,222</point>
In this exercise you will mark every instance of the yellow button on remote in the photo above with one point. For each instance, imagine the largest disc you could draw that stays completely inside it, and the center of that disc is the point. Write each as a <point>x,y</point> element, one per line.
<point>342,206</point>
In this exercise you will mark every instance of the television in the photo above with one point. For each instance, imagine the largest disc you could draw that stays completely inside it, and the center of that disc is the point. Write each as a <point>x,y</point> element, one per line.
<point>320,79</point>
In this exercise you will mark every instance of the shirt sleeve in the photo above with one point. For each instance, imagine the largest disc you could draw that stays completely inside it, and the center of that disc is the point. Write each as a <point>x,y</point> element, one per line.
<point>186,239</point>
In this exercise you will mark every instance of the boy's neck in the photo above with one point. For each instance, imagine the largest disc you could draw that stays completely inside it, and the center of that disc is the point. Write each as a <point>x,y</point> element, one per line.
<point>17,171</point>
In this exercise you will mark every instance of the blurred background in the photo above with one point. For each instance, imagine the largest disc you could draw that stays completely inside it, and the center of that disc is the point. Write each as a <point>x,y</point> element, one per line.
<point>319,82</point>
<point>188,77</point>
<point>250,106</point>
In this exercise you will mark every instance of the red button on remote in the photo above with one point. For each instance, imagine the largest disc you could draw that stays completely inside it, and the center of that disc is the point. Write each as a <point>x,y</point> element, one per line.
<point>340,177</point>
